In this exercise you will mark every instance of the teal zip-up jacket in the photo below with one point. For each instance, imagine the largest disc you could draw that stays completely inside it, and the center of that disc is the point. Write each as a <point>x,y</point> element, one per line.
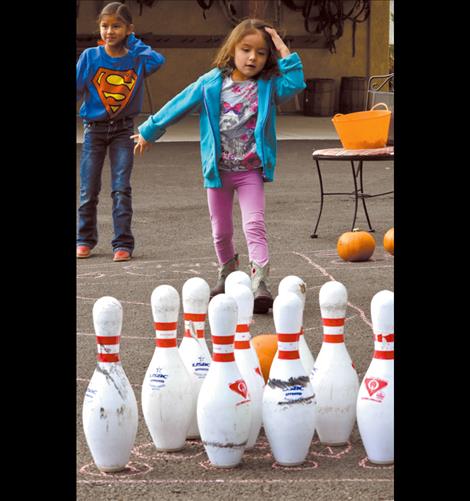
<point>204,95</point>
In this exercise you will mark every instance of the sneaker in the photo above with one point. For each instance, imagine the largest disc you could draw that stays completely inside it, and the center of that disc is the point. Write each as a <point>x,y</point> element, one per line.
<point>122,255</point>
<point>83,251</point>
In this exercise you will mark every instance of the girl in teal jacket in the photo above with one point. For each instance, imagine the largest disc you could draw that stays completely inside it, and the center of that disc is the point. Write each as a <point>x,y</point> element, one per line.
<point>237,106</point>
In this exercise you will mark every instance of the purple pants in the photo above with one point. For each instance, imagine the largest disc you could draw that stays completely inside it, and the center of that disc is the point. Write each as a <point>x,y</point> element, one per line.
<point>250,190</point>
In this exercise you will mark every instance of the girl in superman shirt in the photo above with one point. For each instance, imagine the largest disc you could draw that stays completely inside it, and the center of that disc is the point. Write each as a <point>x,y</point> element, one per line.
<point>110,81</point>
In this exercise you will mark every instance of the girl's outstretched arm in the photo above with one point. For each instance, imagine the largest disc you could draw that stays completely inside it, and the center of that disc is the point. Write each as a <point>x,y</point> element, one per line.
<point>188,100</point>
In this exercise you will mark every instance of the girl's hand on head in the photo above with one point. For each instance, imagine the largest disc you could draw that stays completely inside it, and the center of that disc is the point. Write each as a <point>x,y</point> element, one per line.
<point>277,41</point>
<point>141,145</point>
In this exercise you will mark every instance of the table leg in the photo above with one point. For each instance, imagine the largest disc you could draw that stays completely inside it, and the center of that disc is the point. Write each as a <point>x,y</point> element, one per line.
<point>363,197</point>
<point>314,234</point>
<point>356,195</point>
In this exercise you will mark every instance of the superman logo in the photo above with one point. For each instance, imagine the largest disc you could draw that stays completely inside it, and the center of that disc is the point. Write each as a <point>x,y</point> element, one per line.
<point>114,88</point>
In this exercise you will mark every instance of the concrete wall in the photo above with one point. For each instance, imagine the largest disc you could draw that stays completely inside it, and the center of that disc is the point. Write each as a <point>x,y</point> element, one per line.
<point>183,66</point>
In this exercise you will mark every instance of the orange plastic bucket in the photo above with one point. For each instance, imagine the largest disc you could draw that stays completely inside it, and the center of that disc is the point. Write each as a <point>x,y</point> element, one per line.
<point>363,129</point>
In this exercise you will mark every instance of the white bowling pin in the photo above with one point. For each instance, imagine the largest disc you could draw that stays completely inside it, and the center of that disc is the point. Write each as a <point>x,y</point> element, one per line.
<point>224,406</point>
<point>167,395</point>
<point>295,284</point>
<point>237,277</point>
<point>375,418</point>
<point>334,379</point>
<point>110,415</point>
<point>246,357</point>
<point>193,347</point>
<point>288,398</point>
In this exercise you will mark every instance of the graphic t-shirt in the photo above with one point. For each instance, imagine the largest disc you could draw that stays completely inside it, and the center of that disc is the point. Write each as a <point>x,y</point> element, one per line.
<point>113,87</point>
<point>238,114</point>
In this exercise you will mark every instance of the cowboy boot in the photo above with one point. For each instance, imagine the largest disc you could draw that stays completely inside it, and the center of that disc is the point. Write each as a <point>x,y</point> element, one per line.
<point>260,287</point>
<point>224,272</point>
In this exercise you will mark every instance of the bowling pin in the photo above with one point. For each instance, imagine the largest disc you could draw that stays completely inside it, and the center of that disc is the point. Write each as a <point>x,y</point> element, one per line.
<point>193,347</point>
<point>246,357</point>
<point>237,277</point>
<point>288,398</point>
<point>167,395</point>
<point>296,285</point>
<point>224,406</point>
<point>334,379</point>
<point>110,415</point>
<point>375,400</point>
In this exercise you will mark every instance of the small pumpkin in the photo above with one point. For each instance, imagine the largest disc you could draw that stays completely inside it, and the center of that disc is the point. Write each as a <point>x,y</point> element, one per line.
<point>389,241</point>
<point>266,347</point>
<point>355,245</point>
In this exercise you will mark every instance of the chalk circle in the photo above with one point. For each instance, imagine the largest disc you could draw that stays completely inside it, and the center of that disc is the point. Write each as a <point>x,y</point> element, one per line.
<point>365,463</point>
<point>335,452</point>
<point>346,263</point>
<point>260,456</point>
<point>132,468</point>
<point>207,465</point>
<point>261,443</point>
<point>155,455</point>
<point>306,465</point>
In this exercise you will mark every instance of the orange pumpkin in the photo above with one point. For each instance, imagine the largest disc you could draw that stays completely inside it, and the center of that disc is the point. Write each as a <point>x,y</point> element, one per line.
<point>266,347</point>
<point>355,246</point>
<point>389,241</point>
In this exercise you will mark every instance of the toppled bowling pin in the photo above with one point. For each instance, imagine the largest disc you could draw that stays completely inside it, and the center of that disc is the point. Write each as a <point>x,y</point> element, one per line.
<point>237,277</point>
<point>110,415</point>
<point>224,405</point>
<point>375,401</point>
<point>288,398</point>
<point>193,347</point>
<point>246,357</point>
<point>167,393</point>
<point>295,284</point>
<point>334,379</point>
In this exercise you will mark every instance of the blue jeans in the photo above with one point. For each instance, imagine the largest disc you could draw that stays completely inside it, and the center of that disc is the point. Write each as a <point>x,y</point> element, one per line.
<point>98,137</point>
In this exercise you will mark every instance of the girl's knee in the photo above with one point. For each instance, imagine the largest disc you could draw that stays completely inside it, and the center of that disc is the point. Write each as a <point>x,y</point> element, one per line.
<point>221,238</point>
<point>255,226</point>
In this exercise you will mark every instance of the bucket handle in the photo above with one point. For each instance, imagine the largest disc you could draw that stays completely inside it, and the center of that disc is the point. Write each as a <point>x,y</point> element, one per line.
<point>338,115</point>
<point>378,104</point>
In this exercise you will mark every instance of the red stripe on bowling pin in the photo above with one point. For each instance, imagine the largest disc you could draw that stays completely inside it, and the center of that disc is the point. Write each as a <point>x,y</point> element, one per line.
<point>223,357</point>
<point>108,357</point>
<point>111,342</point>
<point>242,345</point>
<point>242,328</point>
<point>165,326</point>
<point>199,333</point>
<point>242,342</point>
<point>288,346</point>
<point>108,339</point>
<point>165,343</point>
<point>333,322</point>
<point>223,348</point>
<point>333,330</point>
<point>195,317</point>
<point>384,346</point>
<point>333,338</point>
<point>165,334</point>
